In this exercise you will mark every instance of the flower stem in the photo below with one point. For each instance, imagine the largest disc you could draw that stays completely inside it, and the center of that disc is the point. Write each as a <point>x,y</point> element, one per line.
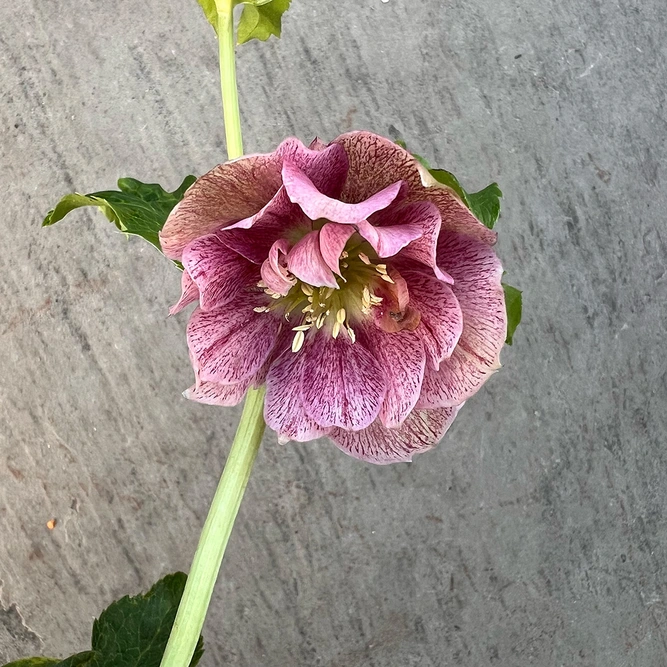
<point>215,534</point>
<point>230,95</point>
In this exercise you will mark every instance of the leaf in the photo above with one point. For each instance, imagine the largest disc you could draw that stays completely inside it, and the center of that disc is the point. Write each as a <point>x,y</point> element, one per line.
<point>513,304</point>
<point>447,178</point>
<point>210,11</point>
<point>485,204</point>
<point>34,662</point>
<point>260,20</point>
<point>135,208</point>
<point>131,632</point>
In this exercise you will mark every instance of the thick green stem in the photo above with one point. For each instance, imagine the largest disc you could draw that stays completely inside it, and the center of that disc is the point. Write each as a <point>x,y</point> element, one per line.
<point>230,95</point>
<point>215,535</point>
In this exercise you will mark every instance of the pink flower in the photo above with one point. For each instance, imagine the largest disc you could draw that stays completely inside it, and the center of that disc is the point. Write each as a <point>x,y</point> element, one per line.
<point>364,294</point>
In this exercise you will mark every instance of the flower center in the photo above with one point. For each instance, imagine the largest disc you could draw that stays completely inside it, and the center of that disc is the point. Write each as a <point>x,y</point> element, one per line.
<point>333,309</point>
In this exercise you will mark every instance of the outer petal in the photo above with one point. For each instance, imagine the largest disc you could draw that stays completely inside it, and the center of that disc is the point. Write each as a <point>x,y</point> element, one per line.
<point>333,238</point>
<point>231,344</point>
<point>283,409</point>
<point>315,205</point>
<point>305,261</point>
<point>477,274</point>
<point>189,293</point>
<point>375,162</point>
<point>227,193</point>
<point>218,271</point>
<point>342,383</point>
<point>403,360</point>
<point>441,321</point>
<point>421,431</point>
<point>212,393</point>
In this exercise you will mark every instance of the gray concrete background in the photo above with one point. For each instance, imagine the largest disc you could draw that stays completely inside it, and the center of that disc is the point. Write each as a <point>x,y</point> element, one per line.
<point>536,533</point>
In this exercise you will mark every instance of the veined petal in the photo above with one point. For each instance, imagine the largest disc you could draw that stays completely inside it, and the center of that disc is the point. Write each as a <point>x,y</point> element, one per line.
<point>387,241</point>
<point>333,238</point>
<point>421,431</point>
<point>305,261</point>
<point>229,192</point>
<point>315,205</point>
<point>189,294</point>
<point>283,410</point>
<point>342,383</point>
<point>231,344</point>
<point>375,162</point>
<point>218,271</point>
<point>441,320</point>
<point>212,393</point>
<point>402,358</point>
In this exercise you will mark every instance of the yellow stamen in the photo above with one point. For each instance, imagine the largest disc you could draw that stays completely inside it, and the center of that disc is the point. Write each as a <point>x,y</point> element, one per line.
<point>382,269</point>
<point>306,289</point>
<point>351,334</point>
<point>297,343</point>
<point>387,279</point>
<point>260,309</point>
<point>336,329</point>
<point>340,316</point>
<point>364,258</point>
<point>302,327</point>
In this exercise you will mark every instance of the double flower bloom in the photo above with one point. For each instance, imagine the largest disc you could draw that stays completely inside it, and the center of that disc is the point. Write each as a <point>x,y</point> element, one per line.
<point>364,294</point>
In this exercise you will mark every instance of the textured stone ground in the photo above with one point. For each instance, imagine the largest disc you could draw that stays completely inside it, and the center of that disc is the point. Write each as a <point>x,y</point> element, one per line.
<point>536,533</point>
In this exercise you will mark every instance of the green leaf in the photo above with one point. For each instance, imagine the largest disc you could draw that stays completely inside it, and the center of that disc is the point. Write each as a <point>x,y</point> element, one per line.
<point>131,632</point>
<point>260,20</point>
<point>447,178</point>
<point>485,204</point>
<point>135,208</point>
<point>34,662</point>
<point>513,304</point>
<point>210,11</point>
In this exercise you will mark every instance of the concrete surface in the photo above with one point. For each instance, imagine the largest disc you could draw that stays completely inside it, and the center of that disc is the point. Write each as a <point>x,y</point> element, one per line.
<point>536,533</point>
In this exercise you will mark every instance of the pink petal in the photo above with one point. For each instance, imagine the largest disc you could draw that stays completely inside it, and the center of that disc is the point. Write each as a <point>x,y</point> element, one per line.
<point>342,383</point>
<point>402,358</point>
<point>283,409</point>
<point>333,238</point>
<point>305,261</point>
<point>458,378</point>
<point>375,162</point>
<point>227,193</point>
<point>219,272</point>
<point>441,321</point>
<point>212,393</point>
<point>189,293</point>
<point>477,272</point>
<point>326,168</point>
<point>274,269</point>
<point>418,215</point>
<point>316,205</point>
<point>421,431</point>
<point>388,241</point>
<point>231,344</point>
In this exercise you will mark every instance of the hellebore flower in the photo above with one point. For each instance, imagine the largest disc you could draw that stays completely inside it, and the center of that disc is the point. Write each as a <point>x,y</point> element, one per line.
<point>363,293</point>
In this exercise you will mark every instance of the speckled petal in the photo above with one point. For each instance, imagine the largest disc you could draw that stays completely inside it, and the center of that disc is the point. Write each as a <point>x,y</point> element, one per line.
<point>421,431</point>
<point>231,344</point>
<point>283,410</point>
<point>333,238</point>
<point>376,162</point>
<point>441,320</point>
<point>189,294</point>
<point>403,360</point>
<point>342,383</point>
<point>219,272</point>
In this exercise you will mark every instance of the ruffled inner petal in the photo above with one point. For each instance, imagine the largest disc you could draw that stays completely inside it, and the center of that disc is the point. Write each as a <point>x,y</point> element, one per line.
<point>274,269</point>
<point>316,205</point>
<point>333,238</point>
<point>305,261</point>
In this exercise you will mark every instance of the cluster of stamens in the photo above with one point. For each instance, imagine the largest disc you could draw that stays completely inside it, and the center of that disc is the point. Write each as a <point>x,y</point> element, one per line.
<point>332,306</point>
